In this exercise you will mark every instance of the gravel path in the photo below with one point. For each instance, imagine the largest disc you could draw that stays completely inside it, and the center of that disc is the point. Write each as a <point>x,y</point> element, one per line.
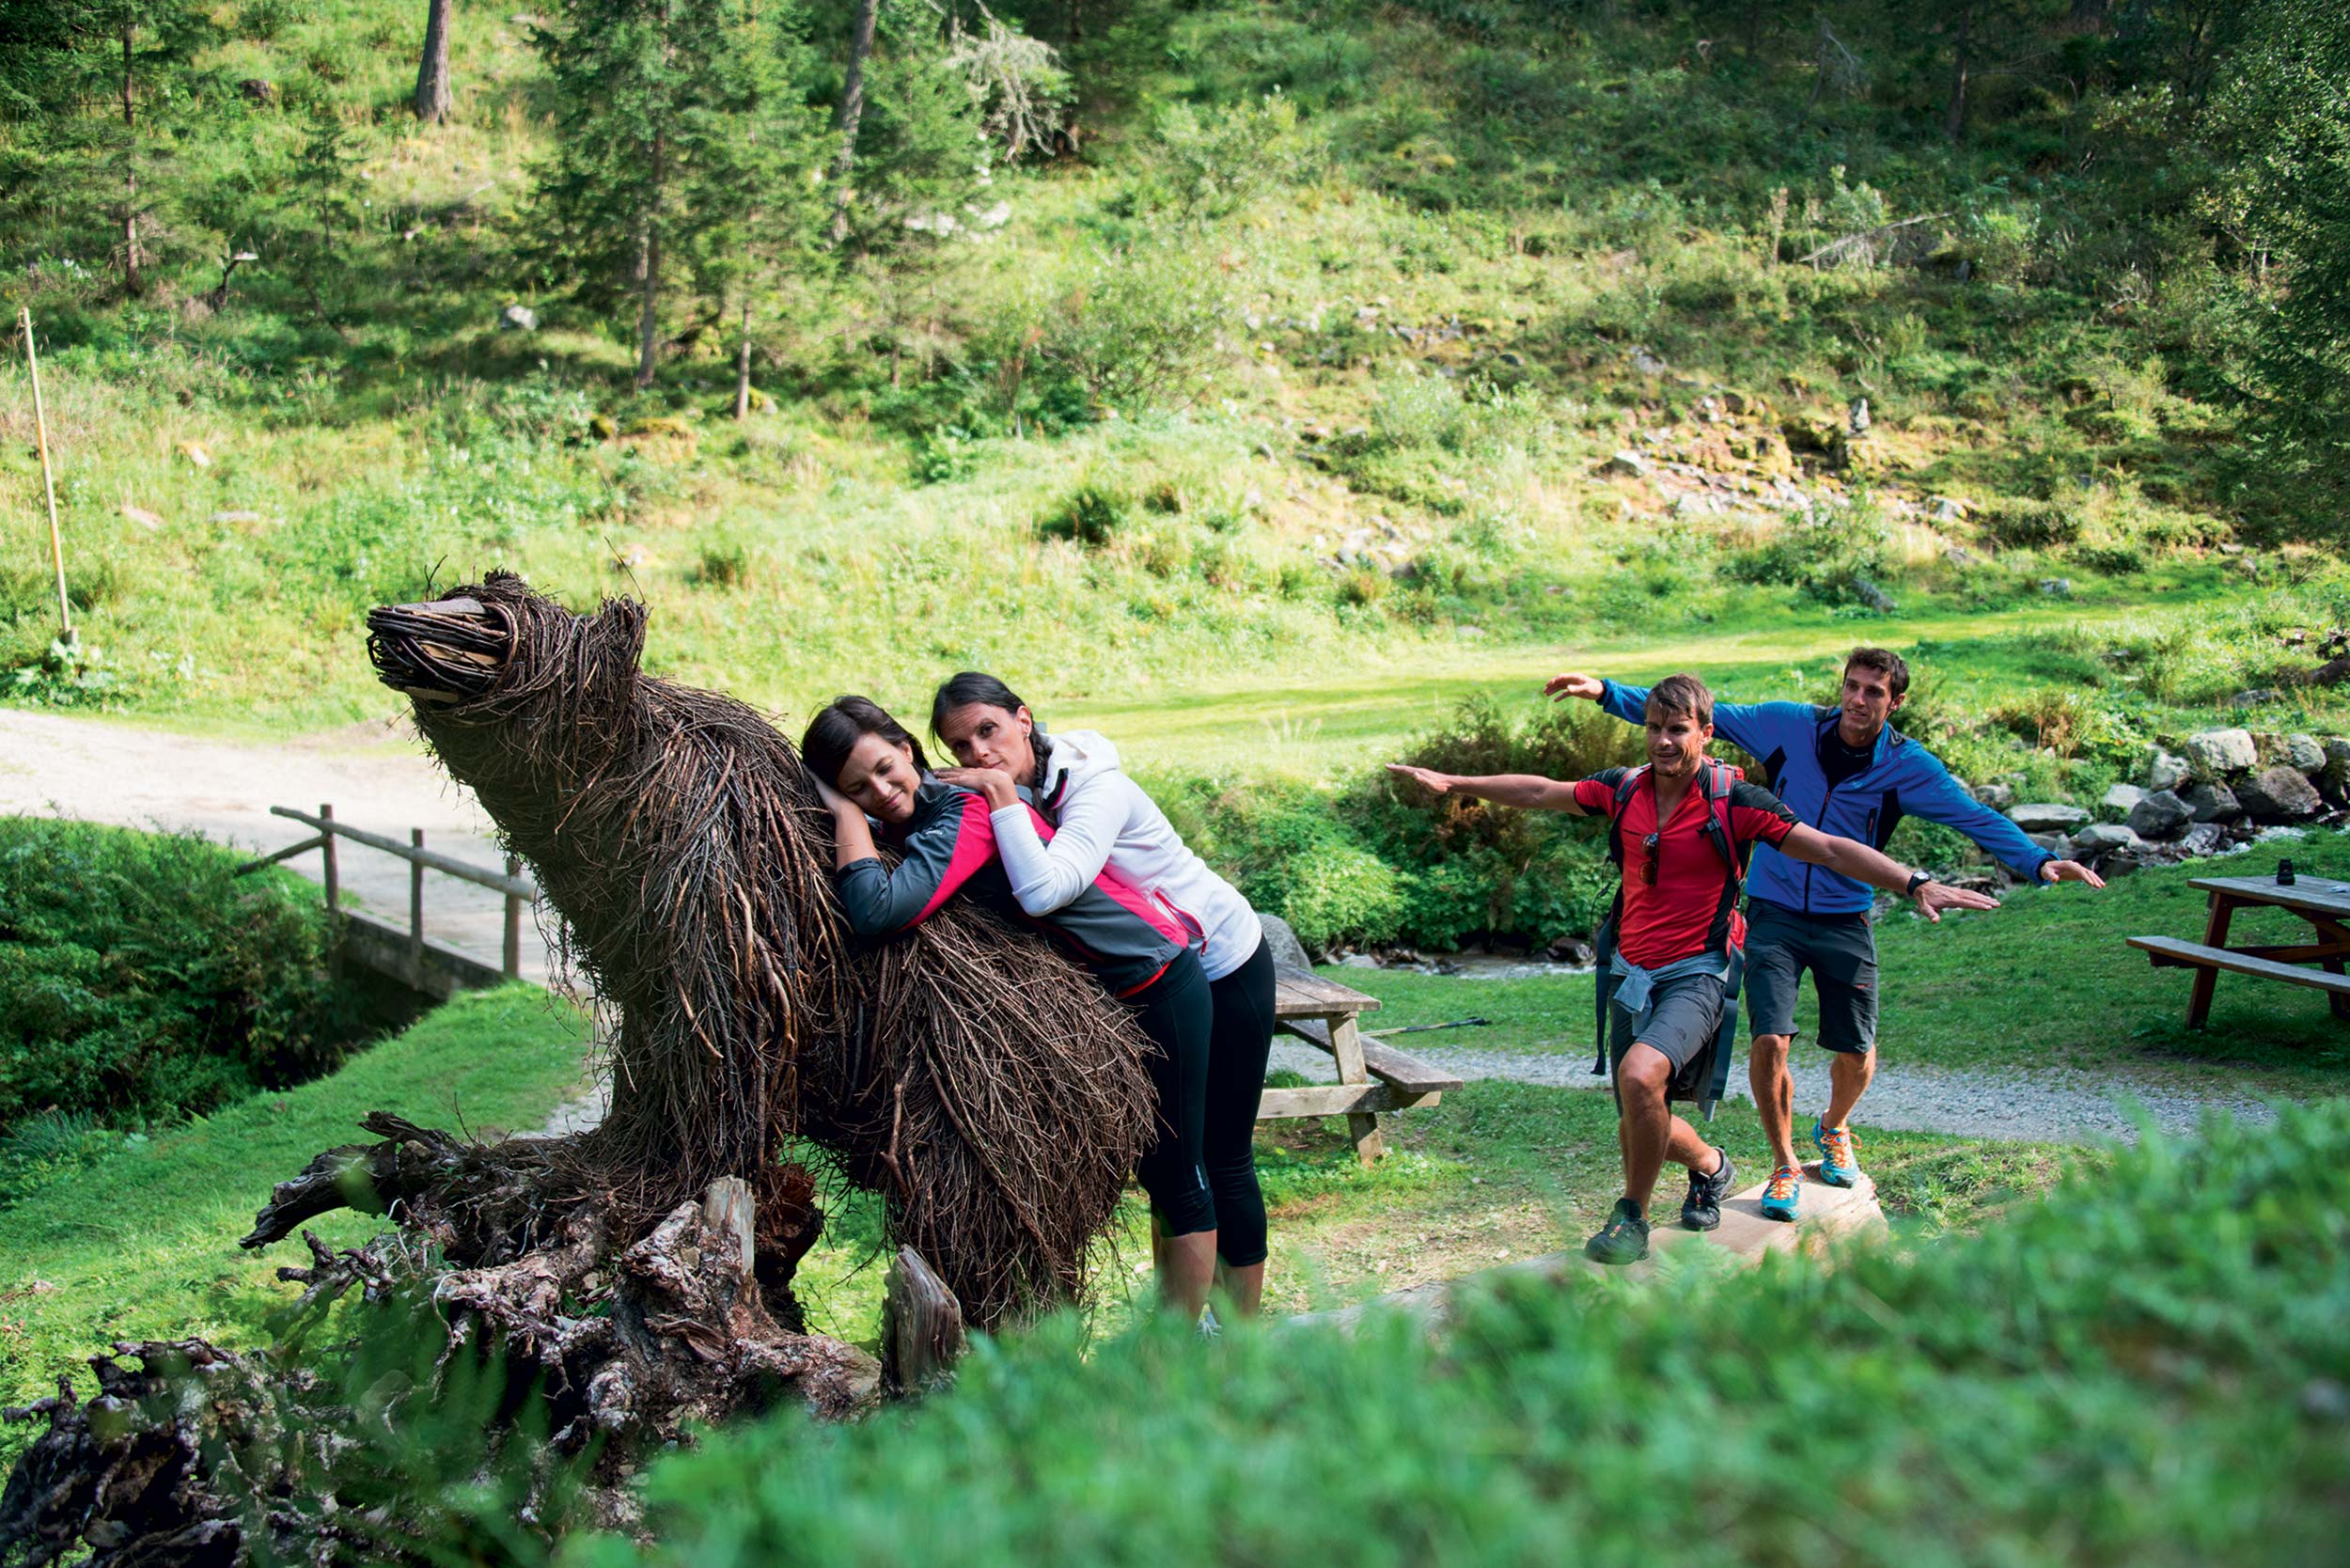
<point>376,775</point>
<point>2053,1106</point>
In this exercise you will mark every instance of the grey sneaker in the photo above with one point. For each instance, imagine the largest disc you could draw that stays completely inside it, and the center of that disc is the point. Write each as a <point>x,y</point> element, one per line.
<point>1702,1208</point>
<point>1623,1240</point>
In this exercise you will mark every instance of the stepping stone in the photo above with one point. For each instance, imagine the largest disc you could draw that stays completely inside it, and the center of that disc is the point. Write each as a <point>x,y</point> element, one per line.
<point>1828,1214</point>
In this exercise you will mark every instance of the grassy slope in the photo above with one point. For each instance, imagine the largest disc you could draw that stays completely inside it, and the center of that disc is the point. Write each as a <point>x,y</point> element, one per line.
<point>2047,979</point>
<point>1505,175</point>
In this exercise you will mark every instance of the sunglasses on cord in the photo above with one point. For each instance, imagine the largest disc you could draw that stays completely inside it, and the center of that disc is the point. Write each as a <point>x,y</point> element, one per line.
<point>1648,860</point>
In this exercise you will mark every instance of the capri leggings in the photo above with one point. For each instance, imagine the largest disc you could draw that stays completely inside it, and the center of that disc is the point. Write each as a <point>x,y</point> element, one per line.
<point>1176,1013</point>
<point>1240,1040</point>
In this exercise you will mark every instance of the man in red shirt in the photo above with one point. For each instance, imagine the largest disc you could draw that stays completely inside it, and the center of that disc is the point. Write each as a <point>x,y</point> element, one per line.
<point>1675,927</point>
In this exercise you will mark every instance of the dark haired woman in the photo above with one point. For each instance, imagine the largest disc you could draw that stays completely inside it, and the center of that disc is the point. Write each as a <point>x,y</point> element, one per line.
<point>866,763</point>
<point>1101,820</point>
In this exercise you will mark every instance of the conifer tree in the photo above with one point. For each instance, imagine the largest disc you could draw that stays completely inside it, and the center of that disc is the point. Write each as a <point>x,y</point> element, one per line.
<point>674,119</point>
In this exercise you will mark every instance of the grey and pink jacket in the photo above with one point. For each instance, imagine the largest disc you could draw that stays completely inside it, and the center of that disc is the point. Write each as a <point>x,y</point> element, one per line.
<point>950,846</point>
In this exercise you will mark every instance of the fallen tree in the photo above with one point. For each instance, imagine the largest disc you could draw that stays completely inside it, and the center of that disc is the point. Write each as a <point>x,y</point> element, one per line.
<point>639,1276</point>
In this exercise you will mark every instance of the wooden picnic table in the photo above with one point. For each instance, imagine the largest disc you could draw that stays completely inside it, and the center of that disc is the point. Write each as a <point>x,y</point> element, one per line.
<point>2323,902</point>
<point>1323,1012</point>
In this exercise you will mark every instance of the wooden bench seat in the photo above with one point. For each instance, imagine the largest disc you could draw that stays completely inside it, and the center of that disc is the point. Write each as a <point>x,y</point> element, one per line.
<point>1384,1062</point>
<point>2168,952</point>
<point>1322,1012</point>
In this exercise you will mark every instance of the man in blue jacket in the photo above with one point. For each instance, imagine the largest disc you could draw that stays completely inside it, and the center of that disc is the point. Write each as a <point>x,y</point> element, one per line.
<point>1845,772</point>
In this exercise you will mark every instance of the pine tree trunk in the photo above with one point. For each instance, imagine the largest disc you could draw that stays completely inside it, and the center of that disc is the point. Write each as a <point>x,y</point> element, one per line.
<point>433,100</point>
<point>649,270</point>
<point>852,112</point>
<point>742,368</point>
<point>130,283</point>
<point>1954,119</point>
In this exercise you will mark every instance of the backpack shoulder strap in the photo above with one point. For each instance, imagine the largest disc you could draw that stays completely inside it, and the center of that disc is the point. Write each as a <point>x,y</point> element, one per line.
<point>1720,779</point>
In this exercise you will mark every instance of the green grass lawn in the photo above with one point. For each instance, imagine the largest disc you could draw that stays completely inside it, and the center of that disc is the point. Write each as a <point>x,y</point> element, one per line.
<point>2045,980</point>
<point>143,1244</point>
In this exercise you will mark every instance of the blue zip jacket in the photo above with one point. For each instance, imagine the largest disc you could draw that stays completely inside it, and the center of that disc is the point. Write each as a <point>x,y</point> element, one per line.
<point>1906,780</point>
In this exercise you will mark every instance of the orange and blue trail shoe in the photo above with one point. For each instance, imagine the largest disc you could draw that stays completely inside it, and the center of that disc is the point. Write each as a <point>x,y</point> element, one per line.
<point>1781,1193</point>
<point>1839,1153</point>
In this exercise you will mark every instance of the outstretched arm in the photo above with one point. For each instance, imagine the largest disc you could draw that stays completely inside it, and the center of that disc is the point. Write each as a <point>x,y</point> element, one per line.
<point>1863,864</point>
<point>1739,722</point>
<point>1943,800</point>
<point>1525,790</point>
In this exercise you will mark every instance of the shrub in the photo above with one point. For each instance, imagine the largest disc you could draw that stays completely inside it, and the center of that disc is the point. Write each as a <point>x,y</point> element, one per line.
<point>1140,327</point>
<point>1334,893</point>
<point>1827,555</point>
<point>139,978</point>
<point>2025,525</point>
<point>1091,515</point>
<point>2146,1367</point>
<point>1419,411</point>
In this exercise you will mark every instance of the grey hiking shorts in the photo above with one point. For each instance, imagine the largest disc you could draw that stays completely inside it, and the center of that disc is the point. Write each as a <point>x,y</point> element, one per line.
<point>1838,952</point>
<point>1682,1017</point>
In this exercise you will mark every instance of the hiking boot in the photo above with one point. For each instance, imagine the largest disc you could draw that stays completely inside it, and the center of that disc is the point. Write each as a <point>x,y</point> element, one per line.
<point>1780,1194</point>
<point>1702,1208</point>
<point>1623,1240</point>
<point>1839,1153</point>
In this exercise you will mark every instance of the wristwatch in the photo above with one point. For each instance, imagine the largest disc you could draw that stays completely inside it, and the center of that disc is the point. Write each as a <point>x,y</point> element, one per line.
<point>1916,880</point>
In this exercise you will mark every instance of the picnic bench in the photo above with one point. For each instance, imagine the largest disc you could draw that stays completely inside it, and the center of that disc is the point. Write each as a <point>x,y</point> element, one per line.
<point>2323,903</point>
<point>1322,1012</point>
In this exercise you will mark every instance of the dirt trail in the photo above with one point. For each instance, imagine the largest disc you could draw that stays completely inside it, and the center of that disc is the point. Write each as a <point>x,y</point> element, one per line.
<point>376,775</point>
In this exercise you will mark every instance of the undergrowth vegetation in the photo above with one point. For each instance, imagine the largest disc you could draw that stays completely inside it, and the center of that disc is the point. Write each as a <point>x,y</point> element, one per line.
<point>142,980</point>
<point>2147,1365</point>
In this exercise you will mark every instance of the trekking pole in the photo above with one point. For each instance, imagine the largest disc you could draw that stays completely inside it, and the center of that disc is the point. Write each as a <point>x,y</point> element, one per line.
<point>49,483</point>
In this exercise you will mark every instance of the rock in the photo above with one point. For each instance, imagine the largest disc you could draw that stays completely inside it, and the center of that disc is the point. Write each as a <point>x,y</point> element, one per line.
<point>2165,771</point>
<point>1949,510</point>
<point>1358,961</point>
<point>518,318</point>
<point>238,517</point>
<point>1648,364</point>
<point>195,454</point>
<point>602,427</point>
<point>2258,696</point>
<point>1628,465</point>
<point>2057,588</point>
<point>2278,794</point>
<point>2055,843</point>
<point>2102,839</point>
<point>2304,755</point>
<point>258,91</point>
<point>995,218</point>
<point>2122,800</point>
<point>1996,797</point>
<point>2338,757</point>
<point>2160,815</point>
<point>2218,753</point>
<point>2212,802</point>
<point>143,517</point>
<point>1736,402</point>
<point>2046,817</point>
<point>2204,838</point>
<point>1874,596</point>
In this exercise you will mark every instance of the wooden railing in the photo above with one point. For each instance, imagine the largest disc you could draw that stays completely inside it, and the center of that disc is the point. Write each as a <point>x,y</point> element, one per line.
<point>518,889</point>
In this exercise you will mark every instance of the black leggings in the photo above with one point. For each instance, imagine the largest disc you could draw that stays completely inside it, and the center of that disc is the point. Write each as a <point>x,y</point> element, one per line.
<point>1240,1040</point>
<point>1176,1013</point>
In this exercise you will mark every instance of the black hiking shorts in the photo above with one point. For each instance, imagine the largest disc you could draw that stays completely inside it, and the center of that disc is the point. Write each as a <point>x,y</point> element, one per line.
<point>1838,952</point>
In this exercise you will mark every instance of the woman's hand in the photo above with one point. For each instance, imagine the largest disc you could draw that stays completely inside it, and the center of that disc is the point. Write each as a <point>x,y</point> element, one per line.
<point>1427,778</point>
<point>835,802</point>
<point>994,783</point>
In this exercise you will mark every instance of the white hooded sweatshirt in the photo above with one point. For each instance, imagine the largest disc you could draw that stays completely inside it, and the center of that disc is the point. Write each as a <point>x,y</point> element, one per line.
<point>1101,817</point>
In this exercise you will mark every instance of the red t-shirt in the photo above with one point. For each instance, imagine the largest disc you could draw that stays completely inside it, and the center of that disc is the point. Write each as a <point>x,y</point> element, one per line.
<point>1669,920</point>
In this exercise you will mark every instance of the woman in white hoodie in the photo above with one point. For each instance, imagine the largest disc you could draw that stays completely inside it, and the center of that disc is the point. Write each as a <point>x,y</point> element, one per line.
<point>1099,817</point>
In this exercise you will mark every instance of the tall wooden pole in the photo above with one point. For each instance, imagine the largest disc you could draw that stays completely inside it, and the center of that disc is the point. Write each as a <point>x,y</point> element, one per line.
<point>48,481</point>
